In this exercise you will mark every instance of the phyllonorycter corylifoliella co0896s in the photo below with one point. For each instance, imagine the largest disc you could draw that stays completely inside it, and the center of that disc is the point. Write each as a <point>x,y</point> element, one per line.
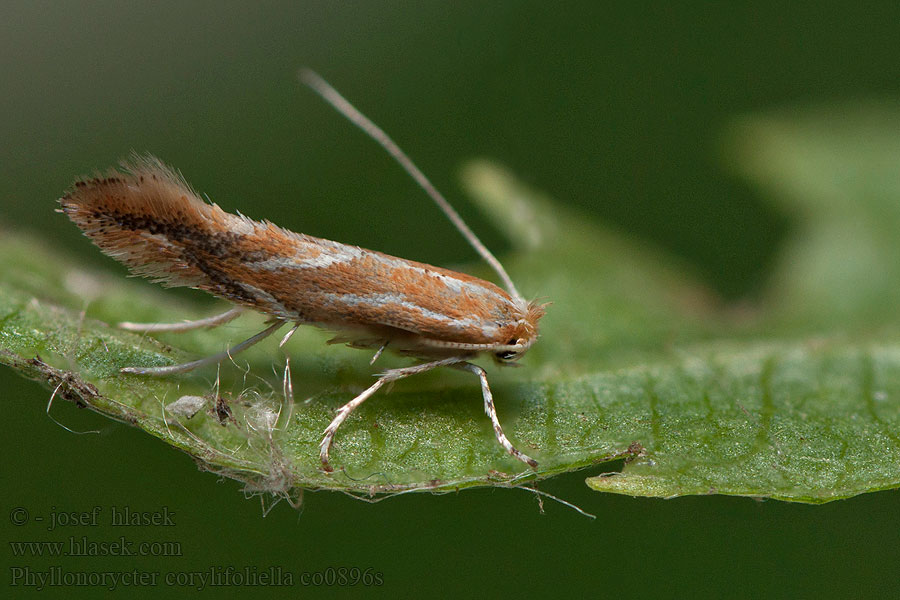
<point>146,216</point>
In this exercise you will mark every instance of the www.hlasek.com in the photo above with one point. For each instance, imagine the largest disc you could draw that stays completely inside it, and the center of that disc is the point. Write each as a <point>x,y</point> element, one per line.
<point>84,546</point>
<point>217,576</point>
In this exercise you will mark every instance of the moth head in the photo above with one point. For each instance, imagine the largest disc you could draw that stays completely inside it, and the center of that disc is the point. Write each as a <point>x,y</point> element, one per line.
<point>521,335</point>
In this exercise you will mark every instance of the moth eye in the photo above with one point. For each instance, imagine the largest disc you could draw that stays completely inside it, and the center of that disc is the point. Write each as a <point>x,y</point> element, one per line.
<point>507,355</point>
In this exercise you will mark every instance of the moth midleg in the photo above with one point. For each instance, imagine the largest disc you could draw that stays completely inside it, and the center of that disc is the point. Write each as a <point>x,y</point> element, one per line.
<point>386,377</point>
<point>213,321</point>
<point>215,358</point>
<point>491,412</point>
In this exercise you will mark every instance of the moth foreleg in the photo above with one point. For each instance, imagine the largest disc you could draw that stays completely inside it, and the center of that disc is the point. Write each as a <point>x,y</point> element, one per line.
<point>491,412</point>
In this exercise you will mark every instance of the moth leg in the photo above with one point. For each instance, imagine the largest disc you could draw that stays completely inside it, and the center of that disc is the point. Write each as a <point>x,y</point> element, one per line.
<point>225,317</point>
<point>344,411</point>
<point>289,334</point>
<point>215,358</point>
<point>378,353</point>
<point>491,412</point>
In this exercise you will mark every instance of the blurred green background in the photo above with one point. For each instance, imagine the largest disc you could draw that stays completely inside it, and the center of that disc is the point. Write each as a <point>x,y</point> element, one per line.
<point>616,109</point>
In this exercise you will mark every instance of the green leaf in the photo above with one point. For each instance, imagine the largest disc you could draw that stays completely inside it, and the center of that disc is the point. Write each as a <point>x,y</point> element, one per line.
<point>798,399</point>
<point>809,423</point>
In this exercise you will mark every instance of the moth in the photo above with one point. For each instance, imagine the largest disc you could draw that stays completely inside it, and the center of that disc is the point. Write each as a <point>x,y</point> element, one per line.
<point>146,216</point>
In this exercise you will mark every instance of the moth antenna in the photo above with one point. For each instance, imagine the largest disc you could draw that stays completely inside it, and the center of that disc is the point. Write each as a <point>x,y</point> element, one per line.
<point>343,106</point>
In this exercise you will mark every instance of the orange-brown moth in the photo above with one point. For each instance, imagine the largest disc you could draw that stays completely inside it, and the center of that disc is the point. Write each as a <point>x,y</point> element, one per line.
<point>146,216</point>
